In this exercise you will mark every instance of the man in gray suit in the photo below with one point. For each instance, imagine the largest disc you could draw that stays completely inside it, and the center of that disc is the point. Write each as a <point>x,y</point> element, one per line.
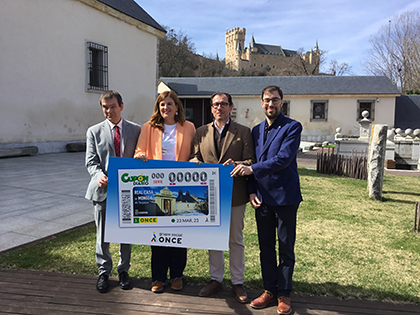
<point>227,142</point>
<point>112,137</point>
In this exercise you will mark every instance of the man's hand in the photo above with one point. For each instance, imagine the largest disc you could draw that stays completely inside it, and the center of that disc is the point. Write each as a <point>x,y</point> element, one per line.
<point>241,170</point>
<point>229,161</point>
<point>103,181</point>
<point>254,201</point>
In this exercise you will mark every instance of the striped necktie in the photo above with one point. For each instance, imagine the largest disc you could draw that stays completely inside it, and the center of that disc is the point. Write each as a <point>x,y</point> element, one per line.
<point>117,141</point>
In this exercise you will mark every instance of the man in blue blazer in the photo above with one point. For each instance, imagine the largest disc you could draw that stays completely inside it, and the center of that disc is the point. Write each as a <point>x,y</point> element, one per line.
<point>274,193</point>
<point>112,137</point>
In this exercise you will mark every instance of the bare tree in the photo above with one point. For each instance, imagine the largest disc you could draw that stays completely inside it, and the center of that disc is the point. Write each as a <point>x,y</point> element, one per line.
<point>177,58</point>
<point>176,55</point>
<point>209,65</point>
<point>395,51</point>
<point>339,69</point>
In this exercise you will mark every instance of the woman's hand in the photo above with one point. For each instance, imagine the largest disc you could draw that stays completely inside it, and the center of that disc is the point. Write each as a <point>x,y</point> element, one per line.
<point>141,156</point>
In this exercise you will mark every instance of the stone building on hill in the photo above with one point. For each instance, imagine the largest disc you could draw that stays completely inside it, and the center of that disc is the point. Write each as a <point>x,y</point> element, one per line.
<point>268,58</point>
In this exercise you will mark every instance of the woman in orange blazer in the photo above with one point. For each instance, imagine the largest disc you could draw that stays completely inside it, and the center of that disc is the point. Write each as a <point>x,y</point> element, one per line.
<point>166,136</point>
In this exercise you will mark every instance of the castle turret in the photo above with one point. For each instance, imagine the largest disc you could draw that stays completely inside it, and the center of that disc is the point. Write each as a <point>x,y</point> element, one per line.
<point>262,57</point>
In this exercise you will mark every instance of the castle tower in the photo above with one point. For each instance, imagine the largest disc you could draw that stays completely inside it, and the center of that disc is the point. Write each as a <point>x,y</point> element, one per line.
<point>234,39</point>
<point>313,57</point>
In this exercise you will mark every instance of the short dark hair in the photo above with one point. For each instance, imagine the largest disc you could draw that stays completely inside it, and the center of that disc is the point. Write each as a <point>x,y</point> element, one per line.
<point>107,95</point>
<point>221,94</point>
<point>271,89</point>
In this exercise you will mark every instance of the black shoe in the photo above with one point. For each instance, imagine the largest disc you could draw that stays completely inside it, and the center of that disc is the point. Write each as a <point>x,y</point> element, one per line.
<point>102,284</point>
<point>124,280</point>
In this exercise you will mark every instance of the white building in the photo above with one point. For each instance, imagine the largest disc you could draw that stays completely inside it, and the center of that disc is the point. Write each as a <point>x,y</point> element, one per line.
<point>57,56</point>
<point>320,103</point>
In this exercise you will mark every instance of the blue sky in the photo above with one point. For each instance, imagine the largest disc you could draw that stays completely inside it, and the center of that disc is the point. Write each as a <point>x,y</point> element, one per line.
<point>342,27</point>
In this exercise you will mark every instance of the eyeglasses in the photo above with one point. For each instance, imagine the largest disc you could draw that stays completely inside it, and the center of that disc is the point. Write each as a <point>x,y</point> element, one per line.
<point>276,100</point>
<point>221,104</point>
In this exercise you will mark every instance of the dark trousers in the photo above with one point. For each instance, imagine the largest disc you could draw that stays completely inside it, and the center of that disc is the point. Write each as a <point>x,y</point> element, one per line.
<point>277,276</point>
<point>164,258</point>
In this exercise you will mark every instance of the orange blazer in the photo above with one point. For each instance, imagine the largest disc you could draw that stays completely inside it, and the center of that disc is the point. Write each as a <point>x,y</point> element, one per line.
<point>150,141</point>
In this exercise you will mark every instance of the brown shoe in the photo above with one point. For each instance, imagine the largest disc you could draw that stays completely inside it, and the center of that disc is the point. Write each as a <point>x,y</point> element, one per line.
<point>284,305</point>
<point>240,293</point>
<point>264,299</point>
<point>177,284</point>
<point>157,287</point>
<point>210,288</point>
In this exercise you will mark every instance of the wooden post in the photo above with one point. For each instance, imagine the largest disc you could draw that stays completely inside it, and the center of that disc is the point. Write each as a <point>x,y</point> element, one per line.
<point>417,218</point>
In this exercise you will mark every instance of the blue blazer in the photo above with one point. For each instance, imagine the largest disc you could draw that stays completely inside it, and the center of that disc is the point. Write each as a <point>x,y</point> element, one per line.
<point>276,179</point>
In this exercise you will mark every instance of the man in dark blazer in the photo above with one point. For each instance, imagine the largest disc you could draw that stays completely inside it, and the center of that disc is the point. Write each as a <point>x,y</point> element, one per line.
<point>226,142</point>
<point>274,193</point>
<point>112,137</point>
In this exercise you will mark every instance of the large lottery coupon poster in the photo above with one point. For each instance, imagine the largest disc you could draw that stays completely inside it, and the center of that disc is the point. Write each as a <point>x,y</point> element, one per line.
<point>168,203</point>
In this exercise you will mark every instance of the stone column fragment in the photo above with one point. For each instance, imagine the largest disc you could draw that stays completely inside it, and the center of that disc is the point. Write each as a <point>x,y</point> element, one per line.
<point>376,160</point>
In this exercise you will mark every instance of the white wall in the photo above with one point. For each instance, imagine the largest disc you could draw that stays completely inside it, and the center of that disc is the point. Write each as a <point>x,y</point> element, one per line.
<point>248,110</point>
<point>43,69</point>
<point>342,112</point>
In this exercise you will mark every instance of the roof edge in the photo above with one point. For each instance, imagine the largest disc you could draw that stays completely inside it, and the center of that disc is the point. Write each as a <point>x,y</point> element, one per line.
<point>124,17</point>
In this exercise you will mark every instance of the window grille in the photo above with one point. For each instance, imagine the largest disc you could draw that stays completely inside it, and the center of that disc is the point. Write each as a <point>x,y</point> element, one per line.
<point>97,66</point>
<point>285,109</point>
<point>319,111</point>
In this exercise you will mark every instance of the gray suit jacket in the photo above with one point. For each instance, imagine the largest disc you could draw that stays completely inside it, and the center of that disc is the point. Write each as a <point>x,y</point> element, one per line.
<point>238,146</point>
<point>99,147</point>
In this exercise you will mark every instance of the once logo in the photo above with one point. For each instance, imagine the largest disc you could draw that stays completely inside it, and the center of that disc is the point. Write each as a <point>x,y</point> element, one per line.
<point>170,240</point>
<point>145,220</point>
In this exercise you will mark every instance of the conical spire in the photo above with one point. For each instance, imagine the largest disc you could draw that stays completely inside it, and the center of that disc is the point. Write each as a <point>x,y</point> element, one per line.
<point>252,42</point>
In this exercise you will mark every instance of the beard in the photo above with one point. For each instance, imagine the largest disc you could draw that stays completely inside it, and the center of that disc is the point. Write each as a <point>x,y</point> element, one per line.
<point>272,114</point>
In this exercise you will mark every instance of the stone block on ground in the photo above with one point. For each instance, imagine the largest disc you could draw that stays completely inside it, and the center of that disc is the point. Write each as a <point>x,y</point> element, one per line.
<point>76,147</point>
<point>23,151</point>
<point>390,164</point>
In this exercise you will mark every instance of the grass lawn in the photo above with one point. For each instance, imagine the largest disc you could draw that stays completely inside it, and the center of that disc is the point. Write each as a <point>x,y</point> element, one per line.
<point>348,245</point>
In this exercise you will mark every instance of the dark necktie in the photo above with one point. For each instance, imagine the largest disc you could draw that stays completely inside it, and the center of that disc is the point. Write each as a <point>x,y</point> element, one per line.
<point>117,141</point>
<point>266,132</point>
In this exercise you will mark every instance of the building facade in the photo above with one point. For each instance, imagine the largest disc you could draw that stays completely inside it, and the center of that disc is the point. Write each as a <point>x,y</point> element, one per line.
<point>57,56</point>
<point>321,103</point>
